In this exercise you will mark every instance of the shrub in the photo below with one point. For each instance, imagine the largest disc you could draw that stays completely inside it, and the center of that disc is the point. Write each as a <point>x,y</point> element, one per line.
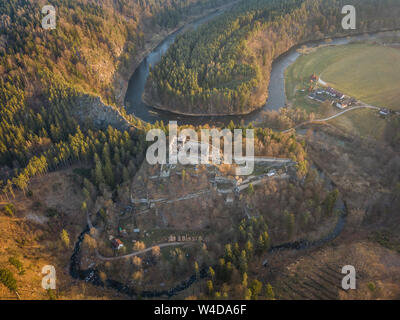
<point>17,264</point>
<point>7,278</point>
<point>250,190</point>
<point>371,286</point>
<point>9,210</point>
<point>65,238</point>
<point>52,294</point>
<point>36,205</point>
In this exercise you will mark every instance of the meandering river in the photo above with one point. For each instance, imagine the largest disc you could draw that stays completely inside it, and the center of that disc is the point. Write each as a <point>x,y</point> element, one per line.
<point>135,105</point>
<point>276,94</point>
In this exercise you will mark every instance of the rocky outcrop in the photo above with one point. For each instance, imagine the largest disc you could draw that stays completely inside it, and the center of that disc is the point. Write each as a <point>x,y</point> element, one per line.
<point>91,109</point>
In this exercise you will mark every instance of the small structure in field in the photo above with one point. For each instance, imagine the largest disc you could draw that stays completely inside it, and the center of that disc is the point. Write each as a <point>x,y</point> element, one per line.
<point>318,98</point>
<point>384,112</point>
<point>342,105</point>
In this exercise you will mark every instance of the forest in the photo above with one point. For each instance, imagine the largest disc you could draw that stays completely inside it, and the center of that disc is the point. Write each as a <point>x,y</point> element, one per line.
<point>43,74</point>
<point>223,68</point>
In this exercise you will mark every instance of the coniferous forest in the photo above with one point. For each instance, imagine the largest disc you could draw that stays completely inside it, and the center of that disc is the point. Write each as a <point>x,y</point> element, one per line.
<point>223,68</point>
<point>43,74</point>
<point>77,193</point>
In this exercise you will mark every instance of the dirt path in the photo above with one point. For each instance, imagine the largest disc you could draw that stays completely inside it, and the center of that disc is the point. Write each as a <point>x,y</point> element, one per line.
<point>331,117</point>
<point>343,112</point>
<point>162,245</point>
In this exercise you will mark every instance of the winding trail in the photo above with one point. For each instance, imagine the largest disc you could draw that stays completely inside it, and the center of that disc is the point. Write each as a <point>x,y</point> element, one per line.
<point>137,253</point>
<point>163,245</point>
<point>331,117</point>
<point>345,111</point>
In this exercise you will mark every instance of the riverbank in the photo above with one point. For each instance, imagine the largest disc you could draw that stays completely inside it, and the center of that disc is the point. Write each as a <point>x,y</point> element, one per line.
<point>276,86</point>
<point>148,100</point>
<point>122,77</point>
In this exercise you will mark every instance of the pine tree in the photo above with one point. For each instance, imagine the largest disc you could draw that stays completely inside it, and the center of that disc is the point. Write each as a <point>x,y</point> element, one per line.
<point>196,269</point>
<point>7,278</point>
<point>211,273</point>
<point>269,292</point>
<point>244,281</point>
<point>99,178</point>
<point>210,287</point>
<point>108,173</point>
<point>243,262</point>
<point>256,288</point>
<point>65,238</point>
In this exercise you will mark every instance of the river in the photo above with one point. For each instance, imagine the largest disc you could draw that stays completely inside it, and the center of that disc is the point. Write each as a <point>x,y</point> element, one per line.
<point>276,91</point>
<point>135,105</point>
<point>92,275</point>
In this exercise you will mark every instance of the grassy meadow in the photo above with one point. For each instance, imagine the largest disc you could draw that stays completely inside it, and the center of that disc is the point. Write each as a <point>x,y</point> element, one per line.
<point>368,72</point>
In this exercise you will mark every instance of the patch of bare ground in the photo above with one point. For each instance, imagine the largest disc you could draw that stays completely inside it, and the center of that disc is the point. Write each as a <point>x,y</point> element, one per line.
<point>317,274</point>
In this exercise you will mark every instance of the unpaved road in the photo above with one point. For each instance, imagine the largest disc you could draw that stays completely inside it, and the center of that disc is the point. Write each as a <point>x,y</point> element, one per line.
<point>332,117</point>
<point>163,245</point>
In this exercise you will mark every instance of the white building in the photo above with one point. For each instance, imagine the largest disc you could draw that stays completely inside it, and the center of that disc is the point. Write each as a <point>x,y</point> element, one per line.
<point>341,105</point>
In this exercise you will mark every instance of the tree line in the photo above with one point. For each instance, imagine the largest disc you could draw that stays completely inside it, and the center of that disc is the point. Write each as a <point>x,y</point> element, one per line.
<point>43,74</point>
<point>223,67</point>
<point>230,279</point>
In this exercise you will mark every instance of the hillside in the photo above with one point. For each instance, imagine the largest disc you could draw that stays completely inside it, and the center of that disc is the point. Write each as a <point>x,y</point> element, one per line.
<point>94,44</point>
<point>78,192</point>
<point>53,89</point>
<point>48,79</point>
<point>31,239</point>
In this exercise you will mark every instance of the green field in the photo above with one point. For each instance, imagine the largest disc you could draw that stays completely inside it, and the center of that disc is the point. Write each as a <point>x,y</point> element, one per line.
<point>368,72</point>
<point>365,123</point>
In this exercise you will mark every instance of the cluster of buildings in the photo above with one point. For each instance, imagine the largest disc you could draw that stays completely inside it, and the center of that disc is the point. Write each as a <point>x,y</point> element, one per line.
<point>329,94</point>
<point>346,103</point>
